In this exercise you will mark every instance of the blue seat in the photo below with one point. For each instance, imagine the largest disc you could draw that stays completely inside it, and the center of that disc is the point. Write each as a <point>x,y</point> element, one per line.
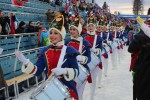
<point>7,63</point>
<point>9,44</point>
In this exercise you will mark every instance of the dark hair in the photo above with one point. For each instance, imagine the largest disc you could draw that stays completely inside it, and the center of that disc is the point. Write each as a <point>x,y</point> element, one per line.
<point>30,22</point>
<point>21,24</point>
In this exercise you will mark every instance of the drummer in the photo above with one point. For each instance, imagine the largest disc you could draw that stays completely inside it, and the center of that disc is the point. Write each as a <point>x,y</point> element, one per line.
<point>99,31</point>
<point>109,39</point>
<point>96,49</point>
<point>83,46</point>
<point>119,37</point>
<point>56,58</point>
<point>99,27</point>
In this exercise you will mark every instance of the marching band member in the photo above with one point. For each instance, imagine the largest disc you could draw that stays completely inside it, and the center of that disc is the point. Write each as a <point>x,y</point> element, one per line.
<point>83,46</point>
<point>107,42</point>
<point>107,37</point>
<point>96,42</point>
<point>119,40</point>
<point>56,58</point>
<point>114,50</point>
<point>99,32</point>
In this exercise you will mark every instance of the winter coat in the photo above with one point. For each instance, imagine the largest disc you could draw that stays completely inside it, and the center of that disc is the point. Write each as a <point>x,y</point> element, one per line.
<point>5,23</point>
<point>141,66</point>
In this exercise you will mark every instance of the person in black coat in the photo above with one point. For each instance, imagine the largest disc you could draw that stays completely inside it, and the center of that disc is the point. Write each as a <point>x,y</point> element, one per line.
<point>141,67</point>
<point>5,23</point>
<point>31,28</point>
<point>21,28</point>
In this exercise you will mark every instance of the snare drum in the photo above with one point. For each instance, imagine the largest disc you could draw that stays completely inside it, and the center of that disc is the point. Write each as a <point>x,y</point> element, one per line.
<point>114,45</point>
<point>83,74</point>
<point>94,62</point>
<point>107,48</point>
<point>52,90</point>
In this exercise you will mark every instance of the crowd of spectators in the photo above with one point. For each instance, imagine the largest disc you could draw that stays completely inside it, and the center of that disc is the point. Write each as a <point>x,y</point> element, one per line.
<point>8,25</point>
<point>48,1</point>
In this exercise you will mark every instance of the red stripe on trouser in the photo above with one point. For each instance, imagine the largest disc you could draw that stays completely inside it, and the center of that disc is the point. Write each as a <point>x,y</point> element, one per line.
<point>73,94</point>
<point>100,65</point>
<point>110,50</point>
<point>118,47</point>
<point>89,79</point>
<point>105,55</point>
<point>121,46</point>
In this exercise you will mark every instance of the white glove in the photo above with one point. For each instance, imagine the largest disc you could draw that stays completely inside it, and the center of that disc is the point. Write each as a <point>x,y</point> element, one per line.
<point>120,40</point>
<point>1,50</point>
<point>97,51</point>
<point>81,59</point>
<point>59,71</point>
<point>93,50</point>
<point>116,40</point>
<point>21,57</point>
<point>109,42</point>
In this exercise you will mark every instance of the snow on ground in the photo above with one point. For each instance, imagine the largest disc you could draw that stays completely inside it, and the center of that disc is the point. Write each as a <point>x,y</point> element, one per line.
<point>116,86</point>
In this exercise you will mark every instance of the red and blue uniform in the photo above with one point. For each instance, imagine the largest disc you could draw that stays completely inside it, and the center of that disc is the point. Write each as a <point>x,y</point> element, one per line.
<point>85,47</point>
<point>48,59</point>
<point>99,40</point>
<point>120,37</point>
<point>90,39</point>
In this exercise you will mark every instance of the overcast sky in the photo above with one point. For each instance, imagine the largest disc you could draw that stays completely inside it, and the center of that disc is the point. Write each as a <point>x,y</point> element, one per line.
<point>124,6</point>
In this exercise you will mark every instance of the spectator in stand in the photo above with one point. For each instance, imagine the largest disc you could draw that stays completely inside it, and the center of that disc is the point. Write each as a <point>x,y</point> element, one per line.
<point>38,26</point>
<point>58,2</point>
<point>31,28</point>
<point>5,23</point>
<point>21,28</point>
<point>50,15</point>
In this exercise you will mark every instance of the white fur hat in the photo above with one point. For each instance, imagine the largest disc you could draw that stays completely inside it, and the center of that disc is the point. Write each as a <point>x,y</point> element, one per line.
<point>76,24</point>
<point>58,25</point>
<point>91,20</point>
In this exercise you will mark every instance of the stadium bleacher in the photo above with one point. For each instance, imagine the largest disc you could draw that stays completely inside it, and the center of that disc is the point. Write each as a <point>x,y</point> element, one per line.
<point>33,10</point>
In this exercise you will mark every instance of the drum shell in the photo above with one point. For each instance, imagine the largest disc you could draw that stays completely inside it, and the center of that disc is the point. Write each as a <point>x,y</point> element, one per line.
<point>54,90</point>
<point>114,45</point>
<point>83,74</point>
<point>94,62</point>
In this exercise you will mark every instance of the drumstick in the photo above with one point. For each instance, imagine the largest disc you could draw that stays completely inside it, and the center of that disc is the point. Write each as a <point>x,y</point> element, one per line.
<point>83,52</point>
<point>45,83</point>
<point>96,45</point>
<point>15,64</point>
